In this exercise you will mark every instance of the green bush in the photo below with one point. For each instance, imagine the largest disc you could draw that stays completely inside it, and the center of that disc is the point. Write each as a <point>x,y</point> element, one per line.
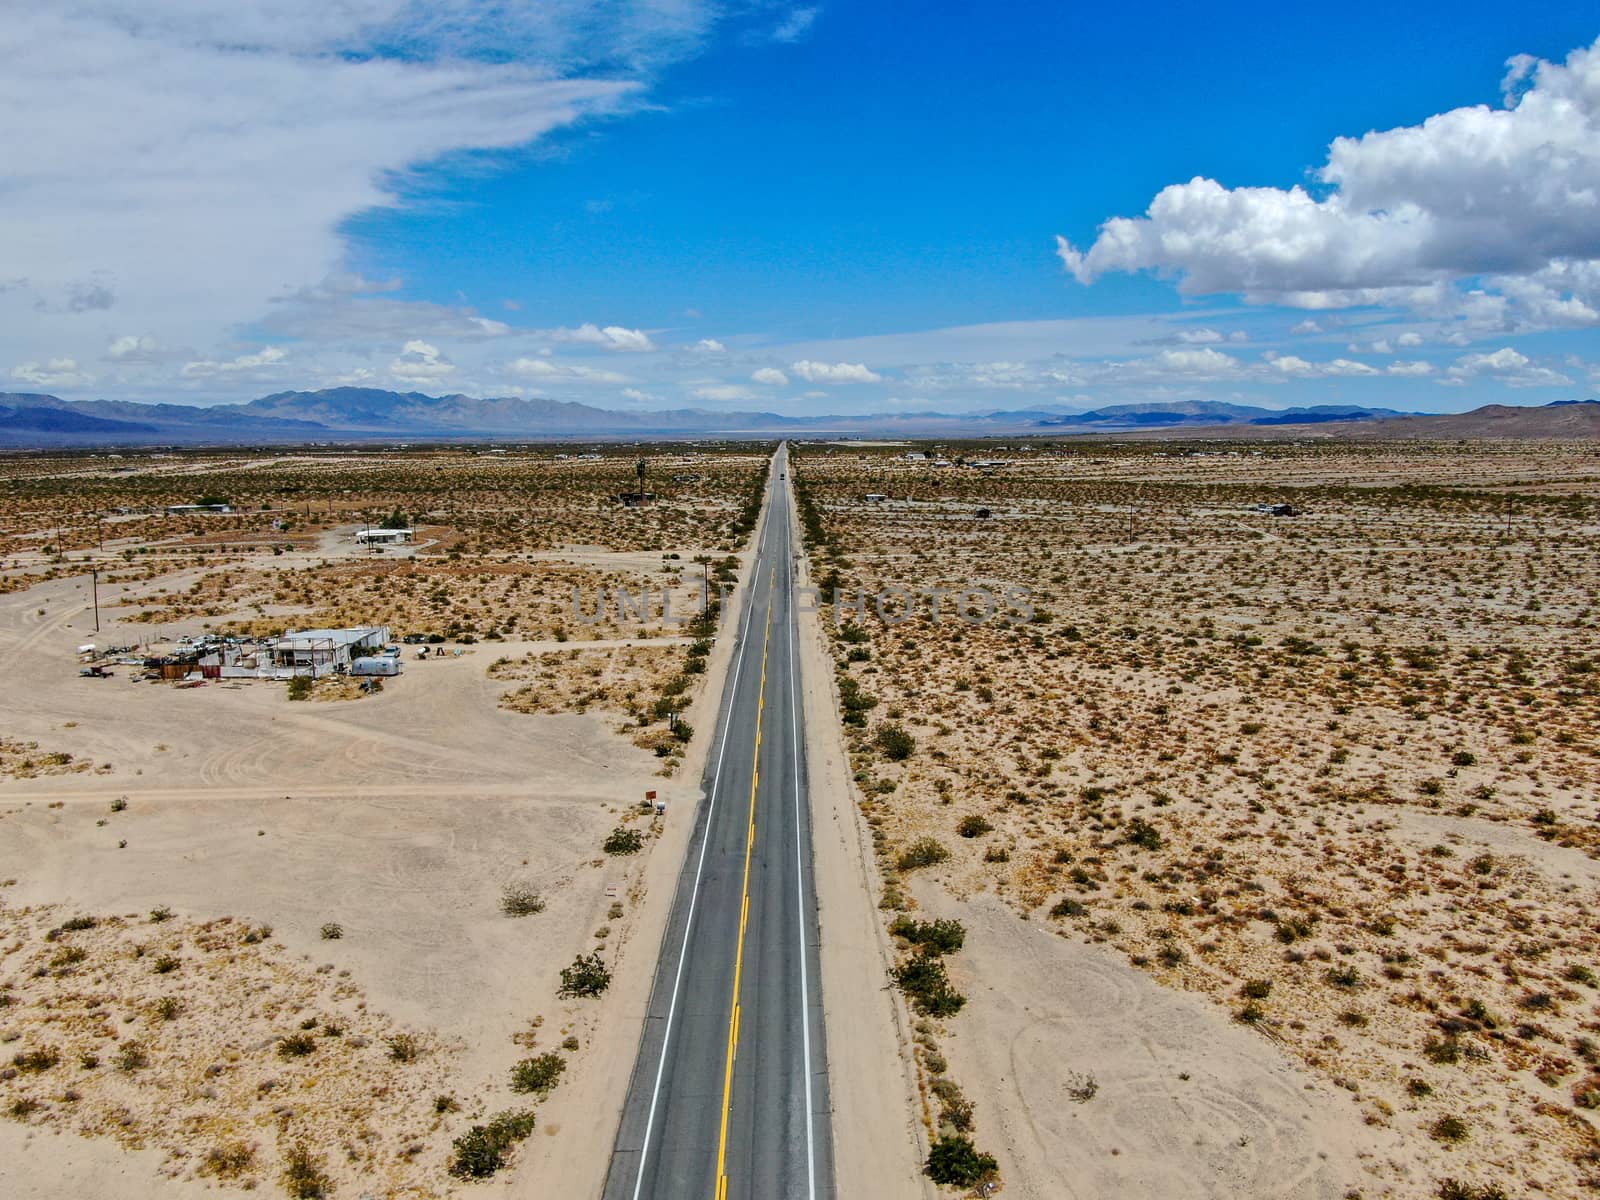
<point>1455,1189</point>
<point>587,976</point>
<point>956,1161</point>
<point>923,979</point>
<point>922,853</point>
<point>1143,834</point>
<point>296,1045</point>
<point>973,826</point>
<point>897,745</point>
<point>302,1175</point>
<point>520,900</point>
<point>934,937</point>
<point>300,687</point>
<point>538,1074</point>
<point>34,1061</point>
<point>623,840</point>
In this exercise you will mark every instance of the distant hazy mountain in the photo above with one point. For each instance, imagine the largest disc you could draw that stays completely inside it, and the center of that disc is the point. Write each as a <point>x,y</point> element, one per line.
<point>1211,412</point>
<point>23,413</point>
<point>1560,419</point>
<point>370,409</point>
<point>357,414</point>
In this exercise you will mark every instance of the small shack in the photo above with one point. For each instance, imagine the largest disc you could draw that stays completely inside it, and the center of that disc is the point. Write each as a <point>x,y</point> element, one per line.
<point>384,537</point>
<point>636,499</point>
<point>318,652</point>
<point>186,510</point>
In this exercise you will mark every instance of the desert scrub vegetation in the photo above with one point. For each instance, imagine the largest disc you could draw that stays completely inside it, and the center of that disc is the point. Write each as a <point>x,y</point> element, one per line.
<point>954,1160</point>
<point>940,937</point>
<point>521,900</point>
<point>539,1074</point>
<point>924,852</point>
<point>120,1055</point>
<point>24,760</point>
<point>1347,756</point>
<point>623,840</point>
<point>484,1149</point>
<point>587,976</point>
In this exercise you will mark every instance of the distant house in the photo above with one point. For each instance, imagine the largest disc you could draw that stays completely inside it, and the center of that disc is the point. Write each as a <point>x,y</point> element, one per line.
<point>188,510</point>
<point>636,499</point>
<point>876,497</point>
<point>983,514</point>
<point>318,652</point>
<point>1278,510</point>
<point>690,478</point>
<point>915,456</point>
<point>384,537</point>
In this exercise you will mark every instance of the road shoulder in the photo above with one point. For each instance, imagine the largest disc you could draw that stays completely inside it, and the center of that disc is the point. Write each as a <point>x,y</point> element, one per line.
<point>878,1146</point>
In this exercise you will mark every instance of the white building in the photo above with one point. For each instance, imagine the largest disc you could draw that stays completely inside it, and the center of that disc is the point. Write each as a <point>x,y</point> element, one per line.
<point>383,537</point>
<point>318,652</point>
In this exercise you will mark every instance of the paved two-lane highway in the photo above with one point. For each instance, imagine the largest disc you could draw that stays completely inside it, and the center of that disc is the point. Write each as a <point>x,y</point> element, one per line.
<point>729,1096</point>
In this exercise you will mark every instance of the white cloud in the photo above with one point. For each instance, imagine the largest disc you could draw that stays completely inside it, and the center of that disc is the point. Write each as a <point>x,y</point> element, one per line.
<point>1508,366</point>
<point>1408,339</point>
<point>640,397</point>
<point>1306,326</point>
<point>612,337</point>
<point>722,392</point>
<point>770,376</point>
<point>189,162</point>
<point>420,363</point>
<point>348,308</point>
<point>545,369</point>
<point>710,346</point>
<point>1414,369</point>
<point>820,372</point>
<point>796,25</point>
<point>1507,196</point>
<point>266,357</point>
<point>1205,363</point>
<point>133,349</point>
<point>56,373</point>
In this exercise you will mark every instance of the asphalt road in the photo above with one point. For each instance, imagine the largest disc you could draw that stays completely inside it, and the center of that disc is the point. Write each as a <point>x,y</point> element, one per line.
<point>729,1096</point>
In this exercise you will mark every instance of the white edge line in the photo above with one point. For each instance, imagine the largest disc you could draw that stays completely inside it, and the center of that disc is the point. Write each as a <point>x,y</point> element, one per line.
<point>800,868</point>
<point>694,895</point>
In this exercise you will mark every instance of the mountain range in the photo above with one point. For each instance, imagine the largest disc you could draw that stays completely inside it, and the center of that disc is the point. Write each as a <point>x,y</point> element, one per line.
<point>350,414</point>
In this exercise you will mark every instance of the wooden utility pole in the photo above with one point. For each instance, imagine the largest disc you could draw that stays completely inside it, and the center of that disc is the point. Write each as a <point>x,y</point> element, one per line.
<point>94,577</point>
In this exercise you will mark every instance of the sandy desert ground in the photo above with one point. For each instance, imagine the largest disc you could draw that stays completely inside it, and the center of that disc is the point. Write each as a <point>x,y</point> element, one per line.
<point>1273,838</point>
<point>247,942</point>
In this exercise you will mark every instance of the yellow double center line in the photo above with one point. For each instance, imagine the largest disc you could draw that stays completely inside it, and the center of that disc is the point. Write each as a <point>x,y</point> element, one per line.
<point>744,911</point>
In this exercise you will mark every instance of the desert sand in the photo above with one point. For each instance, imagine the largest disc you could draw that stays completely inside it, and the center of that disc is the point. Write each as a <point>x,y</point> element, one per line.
<point>1329,776</point>
<point>365,846</point>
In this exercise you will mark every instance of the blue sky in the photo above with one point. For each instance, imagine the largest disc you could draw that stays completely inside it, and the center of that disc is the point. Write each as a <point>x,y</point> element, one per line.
<point>841,207</point>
